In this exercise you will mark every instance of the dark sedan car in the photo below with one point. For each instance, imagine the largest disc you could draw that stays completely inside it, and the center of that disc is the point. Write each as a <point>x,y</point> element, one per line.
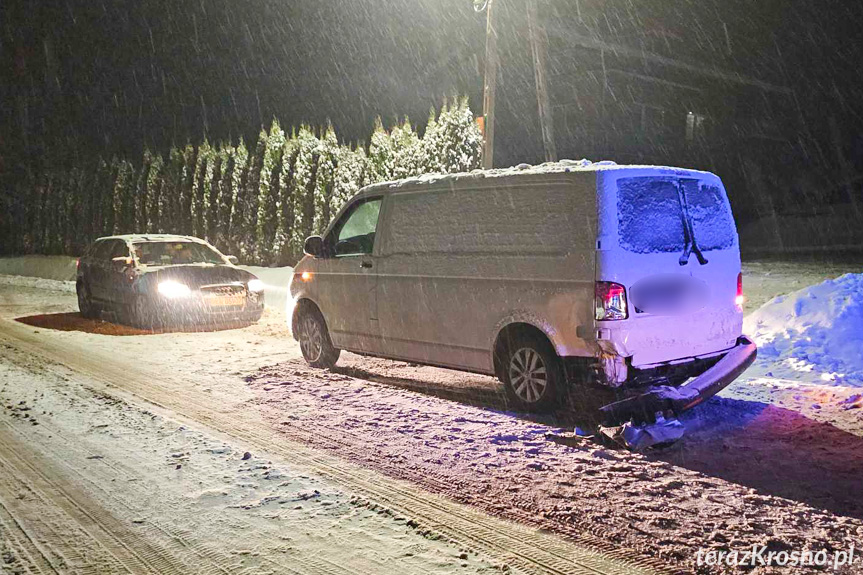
<point>159,280</point>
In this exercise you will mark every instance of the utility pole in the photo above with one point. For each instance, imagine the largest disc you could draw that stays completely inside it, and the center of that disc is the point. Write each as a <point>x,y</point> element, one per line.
<point>489,88</point>
<point>539,49</point>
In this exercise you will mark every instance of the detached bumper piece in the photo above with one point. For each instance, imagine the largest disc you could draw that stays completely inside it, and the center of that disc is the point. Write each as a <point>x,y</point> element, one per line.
<point>661,399</point>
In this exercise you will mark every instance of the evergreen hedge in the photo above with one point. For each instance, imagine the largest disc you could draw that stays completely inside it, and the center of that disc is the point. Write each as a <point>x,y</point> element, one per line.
<point>258,202</point>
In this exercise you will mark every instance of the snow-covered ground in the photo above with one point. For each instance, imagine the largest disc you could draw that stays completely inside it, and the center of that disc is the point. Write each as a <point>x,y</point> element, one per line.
<point>775,460</point>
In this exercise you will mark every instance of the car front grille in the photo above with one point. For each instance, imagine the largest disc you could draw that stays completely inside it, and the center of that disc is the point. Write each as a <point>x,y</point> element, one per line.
<point>222,298</point>
<point>223,290</point>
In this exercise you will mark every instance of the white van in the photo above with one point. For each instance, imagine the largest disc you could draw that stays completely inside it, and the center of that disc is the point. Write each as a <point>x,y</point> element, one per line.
<point>561,274</point>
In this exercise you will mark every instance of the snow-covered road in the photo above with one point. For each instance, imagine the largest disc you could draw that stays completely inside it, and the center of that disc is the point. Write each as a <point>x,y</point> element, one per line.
<point>773,461</point>
<point>135,445</point>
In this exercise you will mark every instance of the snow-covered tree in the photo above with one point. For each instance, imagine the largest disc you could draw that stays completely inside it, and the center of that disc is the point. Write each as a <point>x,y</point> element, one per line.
<point>351,174</point>
<point>140,203</point>
<point>328,161</point>
<point>154,184</point>
<point>408,151</point>
<point>170,204</point>
<point>452,142</point>
<point>245,226</point>
<point>183,220</point>
<point>124,186</point>
<point>211,203</point>
<point>242,159</point>
<point>305,174</point>
<point>381,153</point>
<point>226,197</point>
<point>268,195</point>
<point>201,188</point>
<point>285,204</point>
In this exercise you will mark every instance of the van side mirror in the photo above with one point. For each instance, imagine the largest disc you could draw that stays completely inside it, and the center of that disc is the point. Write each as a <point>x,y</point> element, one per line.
<point>314,246</point>
<point>232,259</point>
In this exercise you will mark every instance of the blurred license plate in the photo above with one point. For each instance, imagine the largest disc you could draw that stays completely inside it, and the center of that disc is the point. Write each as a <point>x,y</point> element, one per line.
<point>225,300</point>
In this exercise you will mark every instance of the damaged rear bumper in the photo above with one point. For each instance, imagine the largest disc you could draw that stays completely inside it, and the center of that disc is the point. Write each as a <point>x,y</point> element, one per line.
<point>643,406</point>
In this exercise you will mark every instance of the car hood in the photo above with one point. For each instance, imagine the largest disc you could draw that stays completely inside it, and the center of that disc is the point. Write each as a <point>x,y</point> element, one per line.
<point>196,275</point>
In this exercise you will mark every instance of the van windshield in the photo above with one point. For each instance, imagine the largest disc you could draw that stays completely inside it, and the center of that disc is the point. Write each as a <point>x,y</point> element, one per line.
<point>652,215</point>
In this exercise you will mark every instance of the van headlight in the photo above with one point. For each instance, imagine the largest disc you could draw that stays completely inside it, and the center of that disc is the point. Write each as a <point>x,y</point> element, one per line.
<point>256,286</point>
<point>174,290</point>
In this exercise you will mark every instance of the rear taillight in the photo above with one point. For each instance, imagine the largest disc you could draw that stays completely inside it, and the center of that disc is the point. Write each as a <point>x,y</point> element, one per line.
<point>739,299</point>
<point>610,301</point>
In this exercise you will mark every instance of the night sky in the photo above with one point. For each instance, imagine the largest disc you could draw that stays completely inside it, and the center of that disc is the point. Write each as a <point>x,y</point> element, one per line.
<point>89,77</point>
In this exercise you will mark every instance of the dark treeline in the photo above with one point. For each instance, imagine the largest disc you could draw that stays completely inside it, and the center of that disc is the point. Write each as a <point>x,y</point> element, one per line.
<point>258,201</point>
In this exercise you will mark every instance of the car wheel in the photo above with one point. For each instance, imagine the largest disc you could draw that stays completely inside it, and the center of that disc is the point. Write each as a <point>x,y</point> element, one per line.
<point>532,374</point>
<point>86,306</point>
<point>315,343</point>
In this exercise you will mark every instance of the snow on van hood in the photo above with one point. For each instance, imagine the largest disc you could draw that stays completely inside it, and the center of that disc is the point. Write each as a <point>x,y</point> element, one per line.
<point>817,329</point>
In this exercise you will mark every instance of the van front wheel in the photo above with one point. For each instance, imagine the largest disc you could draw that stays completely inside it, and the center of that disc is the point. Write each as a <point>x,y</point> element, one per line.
<point>531,374</point>
<point>315,344</point>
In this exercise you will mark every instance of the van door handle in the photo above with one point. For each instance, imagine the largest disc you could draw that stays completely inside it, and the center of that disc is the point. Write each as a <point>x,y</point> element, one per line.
<point>366,264</point>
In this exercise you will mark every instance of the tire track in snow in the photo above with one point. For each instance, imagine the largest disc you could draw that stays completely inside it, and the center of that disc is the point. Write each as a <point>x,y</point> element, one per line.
<point>525,548</point>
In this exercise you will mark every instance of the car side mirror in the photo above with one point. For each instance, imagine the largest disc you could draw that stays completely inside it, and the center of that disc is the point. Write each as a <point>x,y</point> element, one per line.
<point>232,259</point>
<point>121,262</point>
<point>314,246</point>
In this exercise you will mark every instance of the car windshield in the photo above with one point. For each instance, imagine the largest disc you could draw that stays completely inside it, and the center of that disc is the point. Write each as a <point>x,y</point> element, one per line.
<point>175,253</point>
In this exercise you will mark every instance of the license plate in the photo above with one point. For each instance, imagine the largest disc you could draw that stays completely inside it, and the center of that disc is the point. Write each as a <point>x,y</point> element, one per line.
<point>225,300</point>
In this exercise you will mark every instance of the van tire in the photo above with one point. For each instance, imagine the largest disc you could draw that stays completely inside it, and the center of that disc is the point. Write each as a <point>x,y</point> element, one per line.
<point>532,373</point>
<point>315,343</point>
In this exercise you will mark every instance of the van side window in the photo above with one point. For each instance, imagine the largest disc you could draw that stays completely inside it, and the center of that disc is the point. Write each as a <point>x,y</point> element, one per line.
<point>355,234</point>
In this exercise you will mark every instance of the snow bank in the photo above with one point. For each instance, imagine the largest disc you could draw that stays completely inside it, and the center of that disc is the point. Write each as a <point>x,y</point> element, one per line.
<point>816,329</point>
<point>277,282</point>
<point>38,283</point>
<point>47,267</point>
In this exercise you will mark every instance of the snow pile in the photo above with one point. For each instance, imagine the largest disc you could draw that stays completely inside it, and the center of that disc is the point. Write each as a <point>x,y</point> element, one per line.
<point>38,283</point>
<point>817,329</point>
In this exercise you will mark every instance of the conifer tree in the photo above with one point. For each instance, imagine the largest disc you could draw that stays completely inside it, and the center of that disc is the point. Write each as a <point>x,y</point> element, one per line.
<point>407,150</point>
<point>226,197</point>
<point>155,186</point>
<point>282,245</point>
<point>183,220</point>
<point>139,204</point>
<point>305,174</point>
<point>170,204</point>
<point>238,191</point>
<point>211,205</point>
<point>328,161</point>
<point>381,153</point>
<point>246,225</point>
<point>122,204</point>
<point>200,188</point>
<point>268,195</point>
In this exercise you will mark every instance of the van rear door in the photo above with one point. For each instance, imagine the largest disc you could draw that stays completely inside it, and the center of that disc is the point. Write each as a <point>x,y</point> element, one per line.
<point>670,240</point>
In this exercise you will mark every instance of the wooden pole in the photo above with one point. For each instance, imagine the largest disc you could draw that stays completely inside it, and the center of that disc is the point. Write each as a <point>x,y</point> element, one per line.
<point>489,88</point>
<point>539,49</point>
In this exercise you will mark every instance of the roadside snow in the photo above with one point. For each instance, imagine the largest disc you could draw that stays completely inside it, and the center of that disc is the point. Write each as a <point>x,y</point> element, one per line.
<point>818,329</point>
<point>38,283</point>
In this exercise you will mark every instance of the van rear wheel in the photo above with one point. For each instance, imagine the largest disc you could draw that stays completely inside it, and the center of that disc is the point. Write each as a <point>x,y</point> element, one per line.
<point>315,343</point>
<point>532,374</point>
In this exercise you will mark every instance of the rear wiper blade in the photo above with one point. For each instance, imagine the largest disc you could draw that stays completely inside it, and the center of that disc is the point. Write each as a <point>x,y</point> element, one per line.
<point>690,245</point>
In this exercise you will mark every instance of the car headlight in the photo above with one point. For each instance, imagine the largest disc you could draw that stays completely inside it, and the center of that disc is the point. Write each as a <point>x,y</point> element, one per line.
<point>174,290</point>
<point>256,286</point>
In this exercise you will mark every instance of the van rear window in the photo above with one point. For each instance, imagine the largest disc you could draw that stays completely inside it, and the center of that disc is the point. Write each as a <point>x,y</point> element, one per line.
<point>651,216</point>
